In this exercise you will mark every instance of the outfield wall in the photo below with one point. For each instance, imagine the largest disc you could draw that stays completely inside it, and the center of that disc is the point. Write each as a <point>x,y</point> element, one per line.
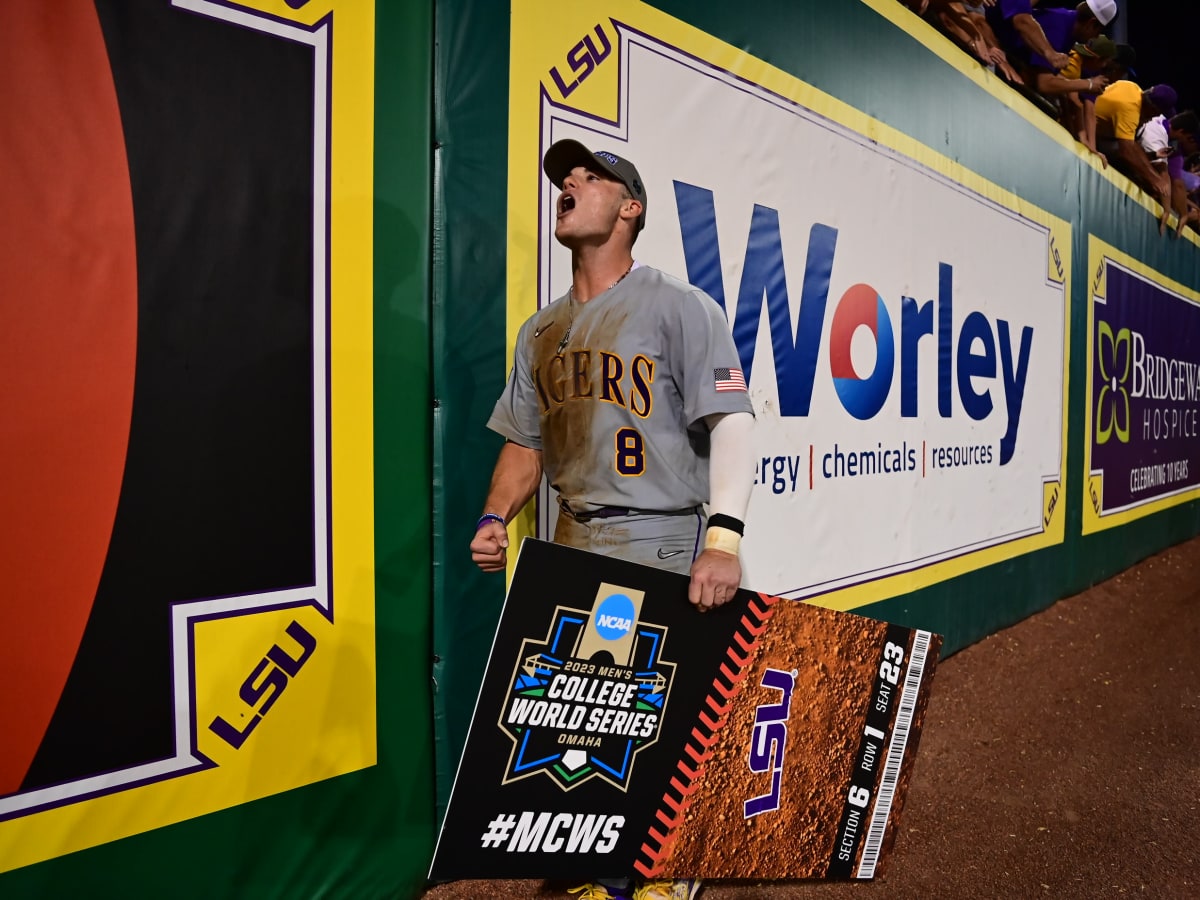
<point>843,165</point>
<point>818,167</point>
<point>284,249</point>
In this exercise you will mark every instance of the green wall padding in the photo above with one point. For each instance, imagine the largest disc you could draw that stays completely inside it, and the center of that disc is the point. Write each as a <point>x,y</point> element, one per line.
<point>854,53</point>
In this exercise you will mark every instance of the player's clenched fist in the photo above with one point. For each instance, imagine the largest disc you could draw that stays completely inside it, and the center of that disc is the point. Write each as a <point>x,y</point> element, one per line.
<point>716,576</point>
<point>489,549</point>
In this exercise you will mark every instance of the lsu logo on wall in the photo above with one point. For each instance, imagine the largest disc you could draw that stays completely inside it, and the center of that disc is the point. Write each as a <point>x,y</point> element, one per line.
<point>589,697</point>
<point>176,650</point>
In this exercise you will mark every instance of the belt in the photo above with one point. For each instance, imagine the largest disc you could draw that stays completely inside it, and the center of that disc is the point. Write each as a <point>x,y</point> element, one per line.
<point>612,512</point>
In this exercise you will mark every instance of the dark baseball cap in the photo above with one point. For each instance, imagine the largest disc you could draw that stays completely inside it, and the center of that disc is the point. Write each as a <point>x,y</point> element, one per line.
<point>1163,97</point>
<point>564,156</point>
<point>1099,47</point>
<point>1125,57</point>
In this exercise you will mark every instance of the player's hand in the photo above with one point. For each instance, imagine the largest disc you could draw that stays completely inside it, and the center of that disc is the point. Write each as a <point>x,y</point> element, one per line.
<point>1058,60</point>
<point>716,576</point>
<point>489,549</point>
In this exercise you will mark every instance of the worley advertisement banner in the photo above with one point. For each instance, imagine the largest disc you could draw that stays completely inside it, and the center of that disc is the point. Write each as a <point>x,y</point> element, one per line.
<point>1142,452</point>
<point>188,617</point>
<point>620,731</point>
<point>909,378</point>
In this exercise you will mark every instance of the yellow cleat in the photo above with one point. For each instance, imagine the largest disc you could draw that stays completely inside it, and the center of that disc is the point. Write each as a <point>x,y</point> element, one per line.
<point>595,892</point>
<point>685,889</point>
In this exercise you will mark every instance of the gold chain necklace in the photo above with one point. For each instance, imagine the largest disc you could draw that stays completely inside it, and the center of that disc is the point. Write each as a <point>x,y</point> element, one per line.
<point>562,344</point>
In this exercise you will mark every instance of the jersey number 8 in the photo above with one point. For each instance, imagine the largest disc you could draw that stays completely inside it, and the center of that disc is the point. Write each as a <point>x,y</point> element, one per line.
<point>630,452</point>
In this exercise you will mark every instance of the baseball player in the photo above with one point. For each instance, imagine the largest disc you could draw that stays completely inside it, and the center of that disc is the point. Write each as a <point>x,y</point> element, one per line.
<point>627,394</point>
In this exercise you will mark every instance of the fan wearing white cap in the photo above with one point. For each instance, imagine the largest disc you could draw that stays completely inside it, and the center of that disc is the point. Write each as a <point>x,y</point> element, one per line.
<point>1064,29</point>
<point>1104,10</point>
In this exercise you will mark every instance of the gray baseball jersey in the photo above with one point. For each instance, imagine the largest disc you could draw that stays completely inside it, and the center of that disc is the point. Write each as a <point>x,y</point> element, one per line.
<point>618,412</point>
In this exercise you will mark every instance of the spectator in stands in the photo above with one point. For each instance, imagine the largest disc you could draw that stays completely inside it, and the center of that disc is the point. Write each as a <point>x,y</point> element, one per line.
<point>1118,68</point>
<point>1155,140</point>
<point>1191,183</point>
<point>1089,66</point>
<point>1091,58</point>
<point>1191,177</point>
<point>1068,59</point>
<point>1166,143</point>
<point>1020,34</point>
<point>965,24</point>
<point>1183,182</point>
<point>1120,111</point>
<point>1090,63</point>
<point>1066,29</point>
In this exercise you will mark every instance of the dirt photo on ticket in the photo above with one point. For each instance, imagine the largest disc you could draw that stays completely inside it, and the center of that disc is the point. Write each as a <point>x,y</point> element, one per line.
<point>805,776</point>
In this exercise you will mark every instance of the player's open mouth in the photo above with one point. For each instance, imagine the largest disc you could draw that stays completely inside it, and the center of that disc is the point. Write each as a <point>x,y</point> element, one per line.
<point>566,203</point>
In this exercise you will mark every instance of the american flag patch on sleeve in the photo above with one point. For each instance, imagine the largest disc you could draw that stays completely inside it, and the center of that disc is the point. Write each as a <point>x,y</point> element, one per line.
<point>729,379</point>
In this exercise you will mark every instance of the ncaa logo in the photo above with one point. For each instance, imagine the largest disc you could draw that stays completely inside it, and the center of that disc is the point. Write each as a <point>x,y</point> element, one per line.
<point>614,618</point>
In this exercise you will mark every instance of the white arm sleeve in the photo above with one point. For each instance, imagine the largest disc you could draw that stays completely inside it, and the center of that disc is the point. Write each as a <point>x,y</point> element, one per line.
<point>730,463</point>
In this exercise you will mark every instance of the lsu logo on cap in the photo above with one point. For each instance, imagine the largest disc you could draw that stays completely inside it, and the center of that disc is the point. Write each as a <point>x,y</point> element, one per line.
<point>607,157</point>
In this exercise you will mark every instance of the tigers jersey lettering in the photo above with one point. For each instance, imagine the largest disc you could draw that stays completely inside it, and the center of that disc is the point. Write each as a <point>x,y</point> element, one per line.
<point>573,377</point>
<point>611,369</point>
<point>642,373</point>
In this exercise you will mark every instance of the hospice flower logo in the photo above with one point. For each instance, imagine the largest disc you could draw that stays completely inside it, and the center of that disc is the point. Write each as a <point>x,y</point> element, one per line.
<point>1112,406</point>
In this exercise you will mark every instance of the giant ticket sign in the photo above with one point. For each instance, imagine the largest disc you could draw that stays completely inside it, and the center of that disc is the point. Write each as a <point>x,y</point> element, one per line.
<point>621,732</point>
